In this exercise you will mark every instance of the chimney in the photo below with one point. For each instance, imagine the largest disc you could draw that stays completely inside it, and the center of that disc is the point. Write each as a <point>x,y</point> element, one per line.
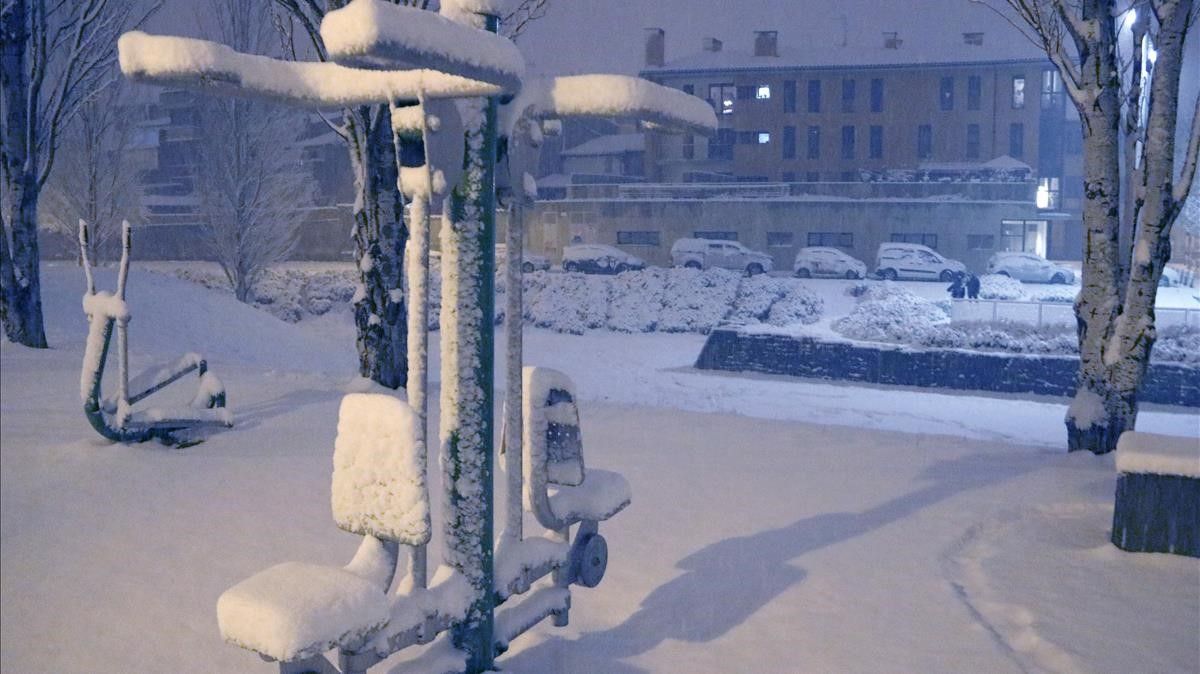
<point>712,44</point>
<point>656,47</point>
<point>975,39</point>
<point>766,43</point>
<point>892,40</point>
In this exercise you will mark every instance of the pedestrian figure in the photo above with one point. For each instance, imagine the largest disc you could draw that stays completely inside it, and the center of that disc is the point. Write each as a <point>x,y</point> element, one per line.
<point>973,288</point>
<point>957,289</point>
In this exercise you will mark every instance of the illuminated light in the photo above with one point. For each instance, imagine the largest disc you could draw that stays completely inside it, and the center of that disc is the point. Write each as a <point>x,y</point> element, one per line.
<point>1043,196</point>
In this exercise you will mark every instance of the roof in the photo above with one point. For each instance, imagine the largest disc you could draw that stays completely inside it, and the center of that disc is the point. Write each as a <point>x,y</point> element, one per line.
<point>851,34</point>
<point>618,143</point>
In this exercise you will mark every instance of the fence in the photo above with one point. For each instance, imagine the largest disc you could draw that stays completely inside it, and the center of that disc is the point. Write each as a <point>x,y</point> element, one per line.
<point>1051,313</point>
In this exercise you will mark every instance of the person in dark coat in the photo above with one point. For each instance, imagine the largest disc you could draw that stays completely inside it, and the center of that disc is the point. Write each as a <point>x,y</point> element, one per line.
<point>957,289</point>
<point>973,287</point>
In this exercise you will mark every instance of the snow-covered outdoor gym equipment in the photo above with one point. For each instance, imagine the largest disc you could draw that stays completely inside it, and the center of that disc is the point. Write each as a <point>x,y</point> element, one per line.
<point>435,72</point>
<point>114,417</point>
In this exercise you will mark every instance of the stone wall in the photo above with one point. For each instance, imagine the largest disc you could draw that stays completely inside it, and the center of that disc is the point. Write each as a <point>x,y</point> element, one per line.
<point>1165,383</point>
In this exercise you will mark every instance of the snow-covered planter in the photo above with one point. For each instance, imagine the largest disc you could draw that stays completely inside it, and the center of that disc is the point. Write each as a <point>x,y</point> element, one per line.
<point>1000,287</point>
<point>889,313</point>
<point>1158,494</point>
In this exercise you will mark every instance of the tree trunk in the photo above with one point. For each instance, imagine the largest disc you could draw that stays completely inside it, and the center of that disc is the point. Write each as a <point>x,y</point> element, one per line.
<point>379,237</point>
<point>1098,415</point>
<point>20,292</point>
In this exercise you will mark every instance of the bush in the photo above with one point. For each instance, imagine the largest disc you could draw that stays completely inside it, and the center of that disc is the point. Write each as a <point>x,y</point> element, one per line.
<point>889,313</point>
<point>1000,287</point>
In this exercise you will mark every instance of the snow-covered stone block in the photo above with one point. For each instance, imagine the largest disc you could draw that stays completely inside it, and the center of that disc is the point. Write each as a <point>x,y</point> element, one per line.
<point>379,480</point>
<point>1157,506</point>
<point>294,611</point>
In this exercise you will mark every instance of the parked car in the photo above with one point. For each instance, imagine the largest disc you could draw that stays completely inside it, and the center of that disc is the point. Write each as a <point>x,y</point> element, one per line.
<point>529,262</point>
<point>706,253</point>
<point>912,261</point>
<point>597,258</point>
<point>831,262</point>
<point>1170,277</point>
<point>1029,267</point>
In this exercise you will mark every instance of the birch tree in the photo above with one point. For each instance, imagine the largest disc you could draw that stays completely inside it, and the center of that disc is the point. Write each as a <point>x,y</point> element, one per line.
<point>53,55</point>
<point>95,178</point>
<point>249,178</point>
<point>1135,97</point>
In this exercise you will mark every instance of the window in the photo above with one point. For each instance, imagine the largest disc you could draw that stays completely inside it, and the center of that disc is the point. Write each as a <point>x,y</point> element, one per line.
<point>689,146</point>
<point>921,238</point>
<point>814,95</point>
<point>1049,192</point>
<point>1016,140</point>
<point>946,93</point>
<point>972,141</point>
<point>764,137</point>
<point>745,92</point>
<point>789,96</point>
<point>814,142</point>
<point>721,96</point>
<point>924,141</point>
<point>1012,235</point>
<point>981,241</point>
<point>715,235</point>
<point>847,142</point>
<point>831,239</point>
<point>780,239</point>
<point>848,95</point>
<point>974,91</point>
<point>812,177</point>
<point>876,95</point>
<point>1052,88</point>
<point>721,145</point>
<point>876,142</point>
<point>745,137</point>
<point>763,92</point>
<point>1018,92</point>
<point>789,176</point>
<point>640,238</point>
<point>789,142</point>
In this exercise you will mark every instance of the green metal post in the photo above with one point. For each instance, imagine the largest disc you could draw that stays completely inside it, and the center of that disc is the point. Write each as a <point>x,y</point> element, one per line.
<point>468,382</point>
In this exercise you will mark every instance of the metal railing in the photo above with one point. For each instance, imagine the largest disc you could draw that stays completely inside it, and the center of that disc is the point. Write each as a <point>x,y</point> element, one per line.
<point>1040,314</point>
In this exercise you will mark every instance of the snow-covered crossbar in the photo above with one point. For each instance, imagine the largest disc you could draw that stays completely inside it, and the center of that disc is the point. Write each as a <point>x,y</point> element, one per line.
<point>617,97</point>
<point>210,66</point>
<point>377,34</point>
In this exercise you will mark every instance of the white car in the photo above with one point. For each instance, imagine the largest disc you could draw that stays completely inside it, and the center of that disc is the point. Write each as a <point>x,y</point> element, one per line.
<point>1170,277</point>
<point>529,262</point>
<point>597,258</point>
<point>707,253</point>
<point>912,261</point>
<point>1029,267</point>
<point>830,262</point>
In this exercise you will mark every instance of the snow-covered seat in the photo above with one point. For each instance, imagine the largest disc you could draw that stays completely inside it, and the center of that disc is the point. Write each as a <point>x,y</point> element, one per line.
<point>294,611</point>
<point>601,495</point>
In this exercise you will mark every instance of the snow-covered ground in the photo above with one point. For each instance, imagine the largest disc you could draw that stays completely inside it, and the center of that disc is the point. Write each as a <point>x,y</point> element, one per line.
<point>777,525</point>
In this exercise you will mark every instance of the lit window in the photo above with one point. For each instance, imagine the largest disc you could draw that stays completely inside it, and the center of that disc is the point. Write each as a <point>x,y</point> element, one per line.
<point>1018,92</point>
<point>764,137</point>
<point>763,92</point>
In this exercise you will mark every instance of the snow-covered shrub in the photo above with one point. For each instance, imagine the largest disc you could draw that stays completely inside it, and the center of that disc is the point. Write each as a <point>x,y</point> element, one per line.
<point>569,303</point>
<point>636,300</point>
<point>799,305</point>
<point>1178,344</point>
<point>695,300</point>
<point>1000,287</point>
<point>755,297</point>
<point>857,289</point>
<point>1006,337</point>
<point>1056,294</point>
<point>888,312</point>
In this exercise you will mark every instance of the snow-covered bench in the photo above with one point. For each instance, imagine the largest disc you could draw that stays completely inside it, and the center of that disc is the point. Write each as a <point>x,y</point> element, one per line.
<point>1158,494</point>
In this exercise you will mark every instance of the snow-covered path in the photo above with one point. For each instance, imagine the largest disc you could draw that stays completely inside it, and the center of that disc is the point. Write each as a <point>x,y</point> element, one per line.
<point>777,526</point>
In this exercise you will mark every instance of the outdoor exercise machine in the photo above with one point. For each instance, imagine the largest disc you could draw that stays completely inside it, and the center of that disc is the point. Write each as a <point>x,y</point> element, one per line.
<point>444,80</point>
<point>115,417</point>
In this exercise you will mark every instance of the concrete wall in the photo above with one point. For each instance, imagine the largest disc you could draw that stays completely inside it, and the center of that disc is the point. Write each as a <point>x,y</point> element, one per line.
<point>1167,384</point>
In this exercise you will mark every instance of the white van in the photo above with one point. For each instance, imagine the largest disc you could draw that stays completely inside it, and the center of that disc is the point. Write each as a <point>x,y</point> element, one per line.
<point>706,253</point>
<point>912,261</point>
<point>823,261</point>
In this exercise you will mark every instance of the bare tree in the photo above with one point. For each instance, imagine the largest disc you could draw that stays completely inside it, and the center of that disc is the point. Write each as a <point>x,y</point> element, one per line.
<point>53,56</point>
<point>95,178</point>
<point>1121,272</point>
<point>249,176</point>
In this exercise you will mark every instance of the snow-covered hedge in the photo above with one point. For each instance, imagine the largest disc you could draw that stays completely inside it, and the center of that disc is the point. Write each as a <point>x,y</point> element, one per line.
<point>889,313</point>
<point>664,300</point>
<point>1056,294</point>
<point>1000,287</point>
